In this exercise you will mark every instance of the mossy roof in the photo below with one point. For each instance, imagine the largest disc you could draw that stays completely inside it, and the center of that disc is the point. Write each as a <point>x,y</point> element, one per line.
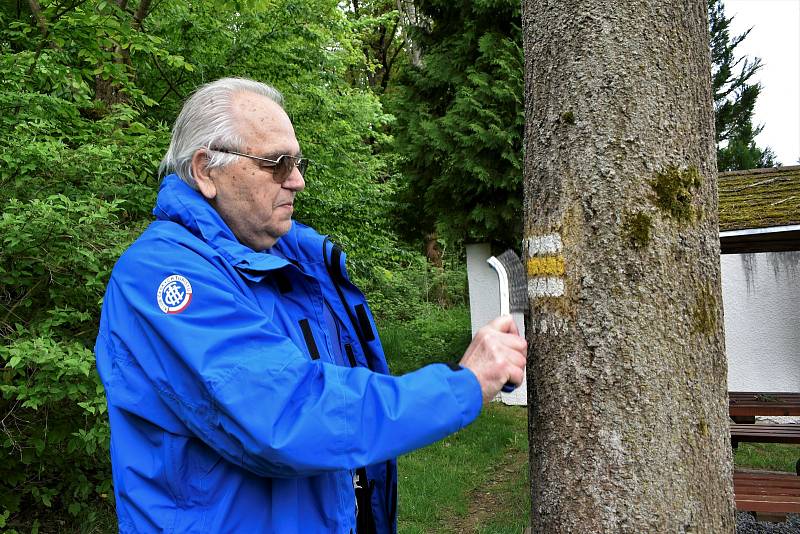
<point>759,198</point>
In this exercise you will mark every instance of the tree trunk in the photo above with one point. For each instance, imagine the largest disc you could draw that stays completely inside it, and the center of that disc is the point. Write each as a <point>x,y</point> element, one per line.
<point>432,249</point>
<point>110,91</point>
<point>627,377</point>
<point>409,16</point>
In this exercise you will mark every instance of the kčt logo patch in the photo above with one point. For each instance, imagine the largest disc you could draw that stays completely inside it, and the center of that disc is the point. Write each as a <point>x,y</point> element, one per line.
<point>174,294</point>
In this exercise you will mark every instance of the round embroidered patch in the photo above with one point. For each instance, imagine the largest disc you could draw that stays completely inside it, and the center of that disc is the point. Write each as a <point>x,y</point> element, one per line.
<point>174,294</point>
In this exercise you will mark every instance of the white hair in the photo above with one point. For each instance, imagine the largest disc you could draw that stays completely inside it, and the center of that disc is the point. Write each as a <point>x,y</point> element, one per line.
<point>206,121</point>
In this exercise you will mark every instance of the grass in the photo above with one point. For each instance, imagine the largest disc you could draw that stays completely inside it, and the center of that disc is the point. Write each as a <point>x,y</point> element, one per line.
<point>770,456</point>
<point>441,487</point>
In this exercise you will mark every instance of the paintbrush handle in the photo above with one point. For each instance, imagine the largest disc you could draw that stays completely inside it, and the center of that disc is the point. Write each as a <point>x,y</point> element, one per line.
<point>505,302</point>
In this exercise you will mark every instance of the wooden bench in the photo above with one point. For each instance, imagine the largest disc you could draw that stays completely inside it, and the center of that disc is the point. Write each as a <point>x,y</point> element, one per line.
<point>765,492</point>
<point>743,408</point>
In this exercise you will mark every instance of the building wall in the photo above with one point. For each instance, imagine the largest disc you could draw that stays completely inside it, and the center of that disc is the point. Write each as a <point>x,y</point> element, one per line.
<point>761,300</point>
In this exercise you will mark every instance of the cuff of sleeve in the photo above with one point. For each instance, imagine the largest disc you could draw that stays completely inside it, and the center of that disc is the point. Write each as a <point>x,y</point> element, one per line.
<point>467,391</point>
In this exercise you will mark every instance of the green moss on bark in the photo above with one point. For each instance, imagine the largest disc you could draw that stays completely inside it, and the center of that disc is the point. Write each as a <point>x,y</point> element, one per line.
<point>637,228</point>
<point>706,312</point>
<point>702,428</point>
<point>674,189</point>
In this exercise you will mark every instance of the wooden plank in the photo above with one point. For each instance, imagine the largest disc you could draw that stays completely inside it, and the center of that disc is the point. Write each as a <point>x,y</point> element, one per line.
<point>786,499</point>
<point>745,473</point>
<point>752,403</point>
<point>783,482</point>
<point>759,504</point>
<point>765,428</point>
<point>766,492</point>
<point>758,489</point>
<point>762,433</point>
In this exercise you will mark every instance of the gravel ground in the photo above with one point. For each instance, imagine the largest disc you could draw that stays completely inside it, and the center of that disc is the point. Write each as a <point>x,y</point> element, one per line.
<point>745,524</point>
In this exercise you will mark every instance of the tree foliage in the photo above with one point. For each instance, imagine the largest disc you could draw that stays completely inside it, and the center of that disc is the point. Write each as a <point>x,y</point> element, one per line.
<point>88,90</point>
<point>382,33</point>
<point>459,122</point>
<point>76,177</point>
<point>734,97</point>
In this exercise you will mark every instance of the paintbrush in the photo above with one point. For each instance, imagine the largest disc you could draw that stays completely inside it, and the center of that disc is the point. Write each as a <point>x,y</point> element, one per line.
<point>513,288</point>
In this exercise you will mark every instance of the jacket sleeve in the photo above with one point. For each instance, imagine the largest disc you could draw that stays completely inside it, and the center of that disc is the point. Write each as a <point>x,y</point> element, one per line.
<point>222,368</point>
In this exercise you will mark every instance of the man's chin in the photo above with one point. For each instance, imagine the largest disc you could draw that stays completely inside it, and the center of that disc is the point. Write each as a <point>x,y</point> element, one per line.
<point>280,230</point>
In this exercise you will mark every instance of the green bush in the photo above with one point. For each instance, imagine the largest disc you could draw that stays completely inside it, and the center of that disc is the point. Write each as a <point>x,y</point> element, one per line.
<point>54,432</point>
<point>405,292</point>
<point>435,335</point>
<point>55,256</point>
<point>78,179</point>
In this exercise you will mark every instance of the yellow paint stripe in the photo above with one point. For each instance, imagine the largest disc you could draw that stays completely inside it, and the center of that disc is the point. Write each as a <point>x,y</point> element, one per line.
<point>546,266</point>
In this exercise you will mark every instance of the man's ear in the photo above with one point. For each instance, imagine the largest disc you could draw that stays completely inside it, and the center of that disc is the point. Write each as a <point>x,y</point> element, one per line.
<point>202,177</point>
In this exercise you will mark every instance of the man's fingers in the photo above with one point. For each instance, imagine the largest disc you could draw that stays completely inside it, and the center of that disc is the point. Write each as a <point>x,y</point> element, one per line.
<point>517,359</point>
<point>516,376</point>
<point>514,342</point>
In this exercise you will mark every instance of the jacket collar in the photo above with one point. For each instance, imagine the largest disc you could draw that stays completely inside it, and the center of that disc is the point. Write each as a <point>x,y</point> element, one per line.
<point>179,203</point>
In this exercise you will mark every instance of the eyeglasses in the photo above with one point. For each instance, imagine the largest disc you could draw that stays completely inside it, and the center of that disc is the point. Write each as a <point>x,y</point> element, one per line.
<point>281,167</point>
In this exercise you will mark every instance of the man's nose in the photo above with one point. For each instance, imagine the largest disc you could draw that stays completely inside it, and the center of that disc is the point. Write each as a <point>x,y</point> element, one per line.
<point>295,181</point>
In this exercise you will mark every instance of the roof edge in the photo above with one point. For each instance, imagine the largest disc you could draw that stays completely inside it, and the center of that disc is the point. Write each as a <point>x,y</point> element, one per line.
<point>766,170</point>
<point>756,231</point>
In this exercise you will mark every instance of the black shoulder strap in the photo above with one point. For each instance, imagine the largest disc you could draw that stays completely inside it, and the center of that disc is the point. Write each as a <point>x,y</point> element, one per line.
<point>335,265</point>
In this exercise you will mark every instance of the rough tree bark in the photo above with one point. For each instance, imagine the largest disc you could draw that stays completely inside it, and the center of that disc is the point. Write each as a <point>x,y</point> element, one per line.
<point>627,377</point>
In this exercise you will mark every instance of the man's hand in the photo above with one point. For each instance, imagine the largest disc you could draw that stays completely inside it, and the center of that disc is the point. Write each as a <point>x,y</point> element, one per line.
<point>496,355</point>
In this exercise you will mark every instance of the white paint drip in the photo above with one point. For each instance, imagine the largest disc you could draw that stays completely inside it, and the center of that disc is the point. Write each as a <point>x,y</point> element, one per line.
<point>545,286</point>
<point>542,244</point>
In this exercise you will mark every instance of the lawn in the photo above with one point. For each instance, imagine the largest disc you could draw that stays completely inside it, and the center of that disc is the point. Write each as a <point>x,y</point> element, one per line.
<point>770,456</point>
<point>473,481</point>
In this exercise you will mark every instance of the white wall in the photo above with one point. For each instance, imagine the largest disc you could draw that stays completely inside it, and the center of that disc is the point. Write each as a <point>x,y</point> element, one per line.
<point>761,299</point>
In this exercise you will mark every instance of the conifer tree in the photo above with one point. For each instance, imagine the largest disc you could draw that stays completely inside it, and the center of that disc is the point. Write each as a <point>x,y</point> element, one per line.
<point>459,117</point>
<point>459,122</point>
<point>734,97</point>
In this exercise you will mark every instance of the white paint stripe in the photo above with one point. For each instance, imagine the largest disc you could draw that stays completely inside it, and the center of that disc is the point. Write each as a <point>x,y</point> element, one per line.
<point>545,286</point>
<point>543,244</point>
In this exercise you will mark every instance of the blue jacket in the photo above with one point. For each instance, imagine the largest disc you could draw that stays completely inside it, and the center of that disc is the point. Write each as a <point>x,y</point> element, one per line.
<point>234,406</point>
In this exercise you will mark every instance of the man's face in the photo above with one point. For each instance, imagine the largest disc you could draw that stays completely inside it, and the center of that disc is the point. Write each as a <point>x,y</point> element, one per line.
<point>256,208</point>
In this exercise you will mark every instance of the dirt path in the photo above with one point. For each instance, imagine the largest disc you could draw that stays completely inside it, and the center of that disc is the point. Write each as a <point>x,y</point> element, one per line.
<point>486,499</point>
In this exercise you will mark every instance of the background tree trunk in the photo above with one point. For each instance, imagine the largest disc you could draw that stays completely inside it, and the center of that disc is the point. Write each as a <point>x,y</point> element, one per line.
<point>627,379</point>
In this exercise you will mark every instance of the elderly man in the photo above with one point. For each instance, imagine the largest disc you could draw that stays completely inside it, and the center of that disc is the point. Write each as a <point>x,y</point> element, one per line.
<point>247,388</point>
